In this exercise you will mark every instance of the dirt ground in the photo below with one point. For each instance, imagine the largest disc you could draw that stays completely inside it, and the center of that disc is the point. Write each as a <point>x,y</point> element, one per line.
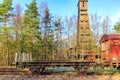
<point>60,77</point>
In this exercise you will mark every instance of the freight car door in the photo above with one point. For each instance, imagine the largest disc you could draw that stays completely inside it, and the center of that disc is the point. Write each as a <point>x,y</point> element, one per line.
<point>115,55</point>
<point>118,53</point>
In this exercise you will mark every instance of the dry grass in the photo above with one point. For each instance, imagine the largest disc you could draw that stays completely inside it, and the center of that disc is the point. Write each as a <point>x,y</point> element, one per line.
<point>7,66</point>
<point>60,77</point>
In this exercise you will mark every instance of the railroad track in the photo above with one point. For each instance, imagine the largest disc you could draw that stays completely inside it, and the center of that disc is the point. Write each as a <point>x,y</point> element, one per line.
<point>12,71</point>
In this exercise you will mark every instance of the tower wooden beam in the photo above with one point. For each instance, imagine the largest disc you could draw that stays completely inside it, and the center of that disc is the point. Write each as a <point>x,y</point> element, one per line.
<point>84,38</point>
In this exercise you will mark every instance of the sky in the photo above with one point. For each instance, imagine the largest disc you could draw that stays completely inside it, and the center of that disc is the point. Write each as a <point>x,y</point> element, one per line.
<point>109,8</point>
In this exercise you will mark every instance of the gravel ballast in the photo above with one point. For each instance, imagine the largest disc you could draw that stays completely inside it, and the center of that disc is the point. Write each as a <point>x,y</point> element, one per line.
<point>60,77</point>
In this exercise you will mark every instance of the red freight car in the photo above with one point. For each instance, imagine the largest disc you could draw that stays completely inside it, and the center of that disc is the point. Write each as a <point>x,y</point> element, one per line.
<point>110,49</point>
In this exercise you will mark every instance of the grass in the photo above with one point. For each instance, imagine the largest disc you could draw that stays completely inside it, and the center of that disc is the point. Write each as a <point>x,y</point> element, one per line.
<point>90,72</point>
<point>7,66</point>
<point>103,71</point>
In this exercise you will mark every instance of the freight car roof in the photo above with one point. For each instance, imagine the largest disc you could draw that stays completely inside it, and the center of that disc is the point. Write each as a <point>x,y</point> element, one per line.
<point>106,37</point>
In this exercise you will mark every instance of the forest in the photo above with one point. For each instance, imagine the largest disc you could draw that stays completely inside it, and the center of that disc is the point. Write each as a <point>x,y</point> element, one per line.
<point>38,32</point>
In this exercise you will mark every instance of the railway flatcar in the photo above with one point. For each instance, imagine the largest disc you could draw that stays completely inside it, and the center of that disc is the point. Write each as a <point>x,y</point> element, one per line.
<point>109,56</point>
<point>25,61</point>
<point>110,49</point>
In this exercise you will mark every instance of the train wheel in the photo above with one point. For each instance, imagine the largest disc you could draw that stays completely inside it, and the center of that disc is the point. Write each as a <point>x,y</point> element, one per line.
<point>114,66</point>
<point>118,68</point>
<point>82,69</point>
<point>37,69</point>
<point>41,69</point>
<point>32,70</point>
<point>20,67</point>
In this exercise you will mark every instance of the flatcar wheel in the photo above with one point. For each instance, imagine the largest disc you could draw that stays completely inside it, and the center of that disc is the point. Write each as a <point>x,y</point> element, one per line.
<point>41,69</point>
<point>19,67</point>
<point>37,69</point>
<point>32,69</point>
<point>114,66</point>
<point>82,69</point>
<point>118,68</point>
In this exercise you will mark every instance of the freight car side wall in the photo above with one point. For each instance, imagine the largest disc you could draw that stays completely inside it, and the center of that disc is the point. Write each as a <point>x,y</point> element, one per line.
<point>105,51</point>
<point>115,51</point>
<point>110,51</point>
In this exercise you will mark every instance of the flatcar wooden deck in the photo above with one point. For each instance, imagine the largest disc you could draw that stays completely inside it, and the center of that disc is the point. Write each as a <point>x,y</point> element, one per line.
<point>27,64</point>
<point>40,66</point>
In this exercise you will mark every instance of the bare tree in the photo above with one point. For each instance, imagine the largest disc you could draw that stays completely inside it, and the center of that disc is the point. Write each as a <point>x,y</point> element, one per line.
<point>70,24</point>
<point>96,28</point>
<point>106,24</point>
<point>96,32</point>
<point>73,29</point>
<point>17,23</point>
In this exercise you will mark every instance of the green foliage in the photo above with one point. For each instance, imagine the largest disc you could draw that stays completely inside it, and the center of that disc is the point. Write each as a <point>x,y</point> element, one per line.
<point>30,37</point>
<point>102,71</point>
<point>6,38</point>
<point>48,33</point>
<point>31,18</point>
<point>5,9</point>
<point>117,27</point>
<point>34,33</point>
<point>31,28</point>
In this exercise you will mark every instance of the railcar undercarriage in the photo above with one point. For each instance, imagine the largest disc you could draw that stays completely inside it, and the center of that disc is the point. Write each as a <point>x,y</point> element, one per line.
<point>39,67</point>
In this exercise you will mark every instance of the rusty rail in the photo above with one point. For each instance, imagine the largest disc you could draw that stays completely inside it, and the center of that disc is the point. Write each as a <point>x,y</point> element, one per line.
<point>12,71</point>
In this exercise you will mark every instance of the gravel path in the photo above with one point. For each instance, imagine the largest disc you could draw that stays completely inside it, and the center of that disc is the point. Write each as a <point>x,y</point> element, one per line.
<point>60,77</point>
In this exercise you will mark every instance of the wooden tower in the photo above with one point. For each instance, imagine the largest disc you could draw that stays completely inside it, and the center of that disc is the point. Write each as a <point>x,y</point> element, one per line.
<point>83,30</point>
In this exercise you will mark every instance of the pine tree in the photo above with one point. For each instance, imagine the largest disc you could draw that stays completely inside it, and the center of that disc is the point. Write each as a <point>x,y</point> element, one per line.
<point>48,33</point>
<point>16,21</point>
<point>30,32</point>
<point>5,14</point>
<point>5,9</point>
